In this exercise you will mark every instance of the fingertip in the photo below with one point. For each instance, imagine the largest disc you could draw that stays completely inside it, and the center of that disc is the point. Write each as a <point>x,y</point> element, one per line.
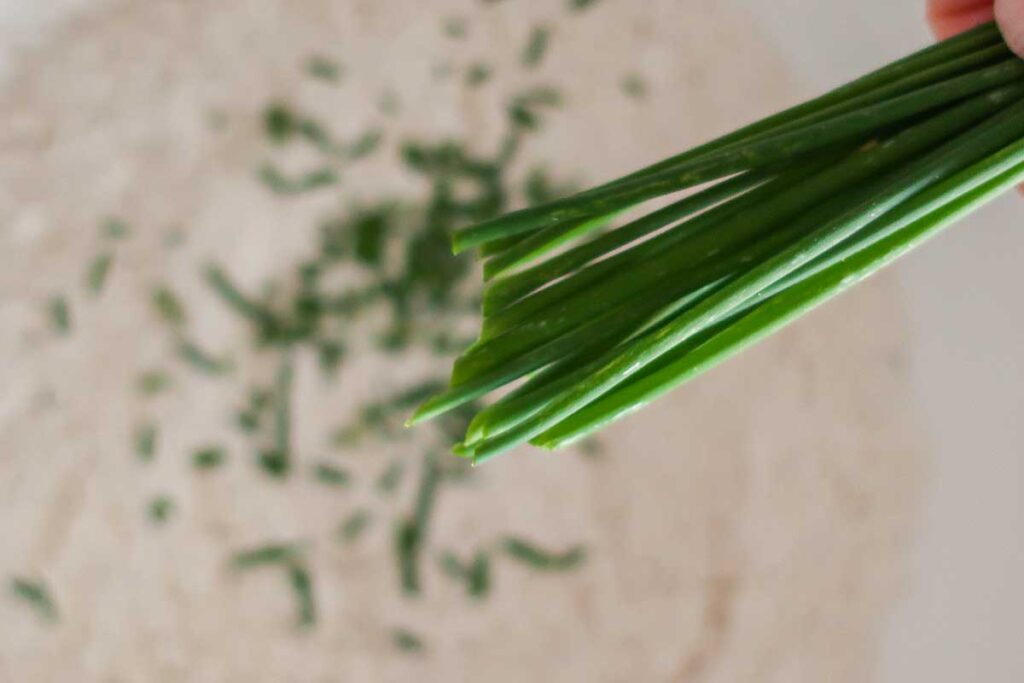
<point>1009,14</point>
<point>948,18</point>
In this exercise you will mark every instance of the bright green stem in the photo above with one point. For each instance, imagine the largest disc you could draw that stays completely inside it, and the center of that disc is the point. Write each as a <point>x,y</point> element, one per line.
<point>693,169</point>
<point>690,361</point>
<point>715,246</point>
<point>916,177</point>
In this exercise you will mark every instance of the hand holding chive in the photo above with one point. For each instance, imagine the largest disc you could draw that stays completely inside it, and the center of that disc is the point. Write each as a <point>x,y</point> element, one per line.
<point>950,17</point>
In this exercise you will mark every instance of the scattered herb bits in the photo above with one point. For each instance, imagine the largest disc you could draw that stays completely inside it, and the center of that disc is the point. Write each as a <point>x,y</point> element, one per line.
<point>455,27</point>
<point>475,575</point>
<point>332,475</point>
<point>202,361</point>
<point>391,477</point>
<point>153,382</point>
<point>353,526</point>
<point>168,306</point>
<point>302,587</point>
<point>274,463</point>
<point>545,560</point>
<point>160,509</point>
<point>36,595</point>
<point>536,47</point>
<point>478,74</point>
<point>407,641</point>
<point>209,458</point>
<point>412,532</point>
<point>633,85</point>
<point>279,123</point>
<point>289,558</point>
<point>60,315</point>
<point>269,554</point>
<point>115,229</point>
<point>411,296</point>
<point>306,182</point>
<point>98,271</point>
<point>145,439</point>
<point>323,68</point>
<point>365,145</point>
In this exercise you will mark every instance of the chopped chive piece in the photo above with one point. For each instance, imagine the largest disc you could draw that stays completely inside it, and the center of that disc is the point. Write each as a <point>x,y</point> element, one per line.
<point>331,475</point>
<point>479,576</point>
<point>591,449</point>
<point>476,574</point>
<point>209,458</point>
<point>452,565</point>
<point>478,74</point>
<point>634,86</point>
<point>312,180</point>
<point>115,229</point>
<point>353,526</point>
<point>168,306</point>
<point>274,463</point>
<point>160,509</point>
<point>391,477</point>
<point>239,302</point>
<point>269,554</point>
<point>330,355</point>
<point>278,460</point>
<point>302,586</point>
<point>279,122</point>
<point>408,541</point>
<point>153,382</point>
<point>536,47</point>
<point>202,360</point>
<point>35,594</point>
<point>250,416</point>
<point>580,5</point>
<point>541,559</point>
<point>315,134</point>
<point>98,271</point>
<point>455,27</point>
<point>324,68</point>
<point>287,556</point>
<point>524,109</point>
<point>146,441</point>
<point>406,640</point>
<point>365,145</point>
<point>371,232</point>
<point>412,532</point>
<point>60,314</point>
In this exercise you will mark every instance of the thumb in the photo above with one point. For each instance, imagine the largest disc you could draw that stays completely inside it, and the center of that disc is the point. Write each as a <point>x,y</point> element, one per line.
<point>1010,16</point>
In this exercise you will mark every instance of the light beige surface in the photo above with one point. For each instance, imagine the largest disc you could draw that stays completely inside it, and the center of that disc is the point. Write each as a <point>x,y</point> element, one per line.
<point>748,528</point>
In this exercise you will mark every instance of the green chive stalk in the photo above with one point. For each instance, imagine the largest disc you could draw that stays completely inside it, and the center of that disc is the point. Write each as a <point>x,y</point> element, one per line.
<point>584,324</point>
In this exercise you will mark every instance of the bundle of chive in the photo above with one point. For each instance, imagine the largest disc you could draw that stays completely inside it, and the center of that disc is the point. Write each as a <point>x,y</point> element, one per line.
<point>790,211</point>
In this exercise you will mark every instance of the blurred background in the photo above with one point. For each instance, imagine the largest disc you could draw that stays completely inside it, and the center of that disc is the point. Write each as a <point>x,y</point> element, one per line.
<point>226,281</point>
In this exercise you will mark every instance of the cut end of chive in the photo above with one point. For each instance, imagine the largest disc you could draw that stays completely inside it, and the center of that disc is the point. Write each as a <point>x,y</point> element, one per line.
<point>419,416</point>
<point>477,430</point>
<point>461,243</point>
<point>430,408</point>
